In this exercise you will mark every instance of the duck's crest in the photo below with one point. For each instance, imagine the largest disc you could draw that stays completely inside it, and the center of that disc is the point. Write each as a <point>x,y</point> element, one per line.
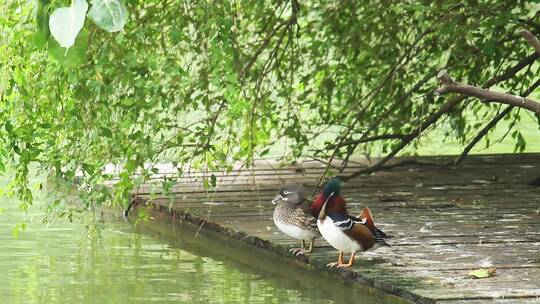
<point>332,186</point>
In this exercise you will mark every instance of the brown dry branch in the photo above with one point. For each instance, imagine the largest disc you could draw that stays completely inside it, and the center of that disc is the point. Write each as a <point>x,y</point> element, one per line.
<point>450,86</point>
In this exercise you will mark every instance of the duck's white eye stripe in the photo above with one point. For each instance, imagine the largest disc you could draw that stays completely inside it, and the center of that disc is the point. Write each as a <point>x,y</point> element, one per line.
<point>286,192</point>
<point>328,198</point>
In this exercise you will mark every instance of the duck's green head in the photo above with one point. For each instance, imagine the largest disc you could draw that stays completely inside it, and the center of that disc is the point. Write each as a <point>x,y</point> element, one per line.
<point>332,187</point>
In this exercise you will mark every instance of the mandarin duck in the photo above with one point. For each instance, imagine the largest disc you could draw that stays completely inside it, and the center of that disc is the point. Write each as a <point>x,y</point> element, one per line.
<point>292,216</point>
<point>344,232</point>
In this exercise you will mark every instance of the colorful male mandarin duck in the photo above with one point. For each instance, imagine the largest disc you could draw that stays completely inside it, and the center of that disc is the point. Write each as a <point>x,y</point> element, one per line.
<point>344,232</point>
<point>293,217</point>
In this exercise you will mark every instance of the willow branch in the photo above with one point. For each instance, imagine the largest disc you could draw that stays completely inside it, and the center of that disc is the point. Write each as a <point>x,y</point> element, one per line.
<point>367,139</point>
<point>490,126</point>
<point>492,123</point>
<point>406,57</point>
<point>450,86</point>
<point>265,44</point>
<point>445,108</point>
<point>378,121</point>
<point>531,39</point>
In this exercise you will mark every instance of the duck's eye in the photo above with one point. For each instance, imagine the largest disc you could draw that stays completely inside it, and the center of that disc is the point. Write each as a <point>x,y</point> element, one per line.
<point>285,192</point>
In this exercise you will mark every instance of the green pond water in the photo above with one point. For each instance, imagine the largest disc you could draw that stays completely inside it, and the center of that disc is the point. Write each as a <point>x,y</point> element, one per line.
<point>151,263</point>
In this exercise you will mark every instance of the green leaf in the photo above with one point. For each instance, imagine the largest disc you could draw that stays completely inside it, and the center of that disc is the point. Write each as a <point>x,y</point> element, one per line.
<point>2,168</point>
<point>65,23</point>
<point>213,180</point>
<point>9,127</point>
<point>131,165</point>
<point>490,47</point>
<point>17,230</point>
<point>110,15</point>
<point>88,168</point>
<point>74,56</point>
<point>106,132</point>
<point>42,21</point>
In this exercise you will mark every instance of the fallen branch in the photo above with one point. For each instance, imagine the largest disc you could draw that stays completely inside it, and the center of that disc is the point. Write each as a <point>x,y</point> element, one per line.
<point>450,86</point>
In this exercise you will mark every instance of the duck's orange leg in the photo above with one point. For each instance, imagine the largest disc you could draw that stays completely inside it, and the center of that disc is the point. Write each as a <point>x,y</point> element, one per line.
<point>351,261</point>
<point>338,263</point>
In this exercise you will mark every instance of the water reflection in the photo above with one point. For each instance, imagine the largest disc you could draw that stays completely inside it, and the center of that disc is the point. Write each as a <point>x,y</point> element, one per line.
<point>148,264</point>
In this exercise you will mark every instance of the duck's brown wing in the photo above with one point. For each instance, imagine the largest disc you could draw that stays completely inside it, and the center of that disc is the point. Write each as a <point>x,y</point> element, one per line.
<point>304,212</point>
<point>362,235</point>
<point>306,221</point>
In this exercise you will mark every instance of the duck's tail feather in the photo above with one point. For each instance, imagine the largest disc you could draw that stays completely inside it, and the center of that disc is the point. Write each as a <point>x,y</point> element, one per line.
<point>379,235</point>
<point>368,217</point>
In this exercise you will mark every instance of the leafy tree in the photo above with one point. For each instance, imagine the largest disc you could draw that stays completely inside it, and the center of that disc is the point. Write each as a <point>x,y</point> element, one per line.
<point>207,84</point>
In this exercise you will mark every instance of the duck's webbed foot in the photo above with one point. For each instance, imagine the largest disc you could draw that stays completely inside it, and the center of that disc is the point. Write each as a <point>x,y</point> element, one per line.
<point>334,264</point>
<point>298,251</point>
<point>339,261</point>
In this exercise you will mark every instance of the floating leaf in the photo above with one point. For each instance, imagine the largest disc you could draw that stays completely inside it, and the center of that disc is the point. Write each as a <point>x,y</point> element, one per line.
<point>65,23</point>
<point>110,15</point>
<point>482,273</point>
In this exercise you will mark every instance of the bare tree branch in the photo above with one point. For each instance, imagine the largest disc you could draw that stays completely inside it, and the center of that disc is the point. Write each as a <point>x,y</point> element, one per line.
<point>450,86</point>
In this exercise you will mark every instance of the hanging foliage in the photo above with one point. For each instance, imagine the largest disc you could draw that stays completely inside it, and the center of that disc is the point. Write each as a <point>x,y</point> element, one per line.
<point>110,15</point>
<point>65,23</point>
<point>199,84</point>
